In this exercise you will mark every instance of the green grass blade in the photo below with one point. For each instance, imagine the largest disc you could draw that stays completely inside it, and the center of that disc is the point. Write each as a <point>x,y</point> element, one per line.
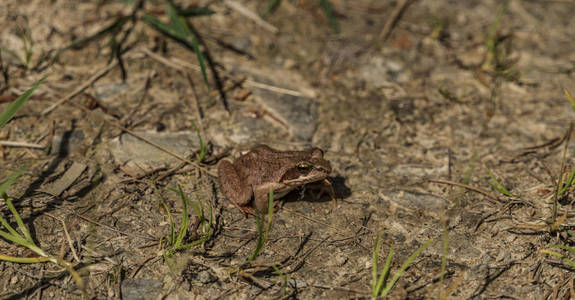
<point>374,259</point>
<point>283,277</point>
<point>203,148</point>
<point>19,221</point>
<point>3,188</point>
<point>179,30</point>
<point>200,211</point>
<point>496,185</point>
<point>560,256</point>
<point>26,260</point>
<point>177,22</point>
<point>6,184</point>
<point>199,241</point>
<point>273,5</point>
<point>566,248</point>
<point>172,235</point>
<point>404,266</point>
<point>385,272</point>
<point>11,110</point>
<point>185,219</point>
<point>14,237</point>
<point>196,12</point>
<point>201,59</point>
<point>260,221</point>
<point>9,227</point>
<point>445,248</point>
<point>570,98</point>
<point>270,212</point>
<point>328,10</point>
<point>564,186</point>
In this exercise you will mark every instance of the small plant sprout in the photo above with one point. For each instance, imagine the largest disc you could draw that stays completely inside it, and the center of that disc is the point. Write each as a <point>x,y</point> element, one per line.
<point>496,185</point>
<point>380,287</point>
<point>283,277</point>
<point>566,183</point>
<point>24,238</point>
<point>562,257</point>
<point>176,237</point>
<point>260,222</point>
<point>11,110</point>
<point>570,98</point>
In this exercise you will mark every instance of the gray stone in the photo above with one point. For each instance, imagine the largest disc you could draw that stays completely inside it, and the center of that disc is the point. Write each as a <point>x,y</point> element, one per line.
<point>298,113</point>
<point>140,157</point>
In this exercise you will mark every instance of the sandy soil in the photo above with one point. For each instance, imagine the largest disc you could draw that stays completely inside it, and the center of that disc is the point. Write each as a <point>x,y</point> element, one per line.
<point>442,120</point>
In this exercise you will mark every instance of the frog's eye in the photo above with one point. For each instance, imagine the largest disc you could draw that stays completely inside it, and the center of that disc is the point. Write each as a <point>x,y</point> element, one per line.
<point>303,167</point>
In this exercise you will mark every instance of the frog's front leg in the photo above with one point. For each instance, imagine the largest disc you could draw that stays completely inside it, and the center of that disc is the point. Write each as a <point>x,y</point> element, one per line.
<point>234,187</point>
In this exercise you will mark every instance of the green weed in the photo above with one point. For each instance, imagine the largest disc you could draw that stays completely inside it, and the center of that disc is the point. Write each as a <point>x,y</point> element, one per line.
<point>25,36</point>
<point>496,185</point>
<point>175,239</point>
<point>273,5</point>
<point>24,238</point>
<point>378,289</point>
<point>260,222</point>
<point>328,11</point>
<point>284,279</point>
<point>562,257</point>
<point>178,30</point>
<point>11,110</point>
<point>498,52</point>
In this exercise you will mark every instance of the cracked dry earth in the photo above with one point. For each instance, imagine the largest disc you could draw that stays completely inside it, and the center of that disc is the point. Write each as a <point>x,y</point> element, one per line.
<point>418,117</point>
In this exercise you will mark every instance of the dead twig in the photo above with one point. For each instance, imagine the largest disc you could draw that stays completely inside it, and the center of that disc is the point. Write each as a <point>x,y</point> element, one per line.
<point>82,87</point>
<point>68,238</point>
<point>181,65</point>
<point>469,187</point>
<point>21,144</point>
<point>395,15</point>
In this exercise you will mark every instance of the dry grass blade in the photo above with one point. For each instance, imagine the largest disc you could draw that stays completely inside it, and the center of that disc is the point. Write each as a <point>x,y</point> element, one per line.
<point>21,144</point>
<point>82,87</point>
<point>469,187</point>
<point>251,15</point>
<point>395,15</point>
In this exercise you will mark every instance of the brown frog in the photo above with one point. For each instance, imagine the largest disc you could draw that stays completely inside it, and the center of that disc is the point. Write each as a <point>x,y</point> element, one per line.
<point>261,168</point>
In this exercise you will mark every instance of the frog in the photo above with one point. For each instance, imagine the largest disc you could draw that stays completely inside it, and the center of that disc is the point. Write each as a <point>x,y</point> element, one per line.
<point>247,181</point>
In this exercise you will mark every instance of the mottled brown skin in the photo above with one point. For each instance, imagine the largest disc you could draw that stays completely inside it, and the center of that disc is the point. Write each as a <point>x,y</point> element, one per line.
<point>262,168</point>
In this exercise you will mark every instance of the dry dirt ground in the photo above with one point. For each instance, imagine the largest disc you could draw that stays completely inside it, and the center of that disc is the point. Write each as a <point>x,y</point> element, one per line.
<point>421,106</point>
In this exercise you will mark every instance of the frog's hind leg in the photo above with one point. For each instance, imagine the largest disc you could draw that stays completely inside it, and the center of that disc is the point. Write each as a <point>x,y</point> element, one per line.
<point>234,187</point>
